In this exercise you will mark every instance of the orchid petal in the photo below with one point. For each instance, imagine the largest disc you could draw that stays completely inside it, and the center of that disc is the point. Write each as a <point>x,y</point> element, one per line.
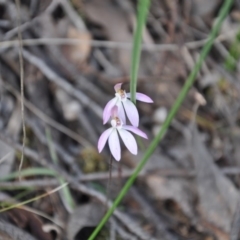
<point>114,145</point>
<point>118,86</point>
<point>129,141</point>
<point>121,113</point>
<point>141,97</point>
<point>135,130</point>
<point>103,139</point>
<point>131,112</point>
<point>114,111</point>
<point>107,109</point>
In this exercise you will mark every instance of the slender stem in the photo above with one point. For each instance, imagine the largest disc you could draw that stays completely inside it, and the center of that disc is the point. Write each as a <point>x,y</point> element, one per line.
<point>119,175</point>
<point>190,80</point>
<point>143,7</point>
<point>21,64</point>
<point>109,181</point>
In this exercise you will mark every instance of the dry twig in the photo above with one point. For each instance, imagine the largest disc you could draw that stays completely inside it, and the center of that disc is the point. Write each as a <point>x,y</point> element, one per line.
<point>115,45</point>
<point>22,84</point>
<point>61,82</point>
<point>47,119</point>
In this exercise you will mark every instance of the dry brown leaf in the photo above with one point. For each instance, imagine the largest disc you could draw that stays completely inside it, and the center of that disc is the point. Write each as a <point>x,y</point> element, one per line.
<point>27,220</point>
<point>86,215</point>
<point>115,22</point>
<point>178,190</point>
<point>218,197</point>
<point>10,232</point>
<point>163,188</point>
<point>80,52</point>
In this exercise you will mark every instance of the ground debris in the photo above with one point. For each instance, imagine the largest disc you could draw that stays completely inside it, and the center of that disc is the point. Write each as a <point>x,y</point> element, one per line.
<point>74,52</point>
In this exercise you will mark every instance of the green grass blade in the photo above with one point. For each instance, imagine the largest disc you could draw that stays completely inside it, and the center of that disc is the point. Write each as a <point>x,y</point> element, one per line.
<point>234,54</point>
<point>143,7</point>
<point>32,199</point>
<point>29,172</point>
<point>222,14</point>
<point>66,193</point>
<point>51,148</point>
<point>24,193</point>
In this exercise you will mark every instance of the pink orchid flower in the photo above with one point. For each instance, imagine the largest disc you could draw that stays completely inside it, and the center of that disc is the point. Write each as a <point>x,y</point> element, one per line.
<point>111,135</point>
<point>121,100</point>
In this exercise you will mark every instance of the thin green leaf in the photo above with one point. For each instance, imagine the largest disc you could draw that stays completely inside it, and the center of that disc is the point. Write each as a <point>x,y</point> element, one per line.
<point>24,193</point>
<point>143,8</point>
<point>51,146</point>
<point>66,193</point>
<point>29,172</point>
<point>234,54</point>
<point>190,80</point>
<point>33,199</point>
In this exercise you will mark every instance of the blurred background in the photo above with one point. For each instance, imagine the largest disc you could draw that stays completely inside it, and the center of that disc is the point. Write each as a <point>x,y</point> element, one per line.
<point>73,53</point>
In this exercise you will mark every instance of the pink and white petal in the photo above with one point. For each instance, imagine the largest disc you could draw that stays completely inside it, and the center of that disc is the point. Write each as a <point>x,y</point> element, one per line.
<point>107,109</point>
<point>129,141</point>
<point>103,139</point>
<point>114,111</point>
<point>135,130</point>
<point>132,112</point>
<point>121,113</point>
<point>114,145</point>
<point>141,97</point>
<point>118,86</point>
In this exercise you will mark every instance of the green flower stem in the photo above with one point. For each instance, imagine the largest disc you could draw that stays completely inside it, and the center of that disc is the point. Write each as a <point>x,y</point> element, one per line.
<point>223,12</point>
<point>143,7</point>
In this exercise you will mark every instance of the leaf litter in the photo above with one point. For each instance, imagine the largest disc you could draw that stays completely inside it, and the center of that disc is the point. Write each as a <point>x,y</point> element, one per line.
<point>190,187</point>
